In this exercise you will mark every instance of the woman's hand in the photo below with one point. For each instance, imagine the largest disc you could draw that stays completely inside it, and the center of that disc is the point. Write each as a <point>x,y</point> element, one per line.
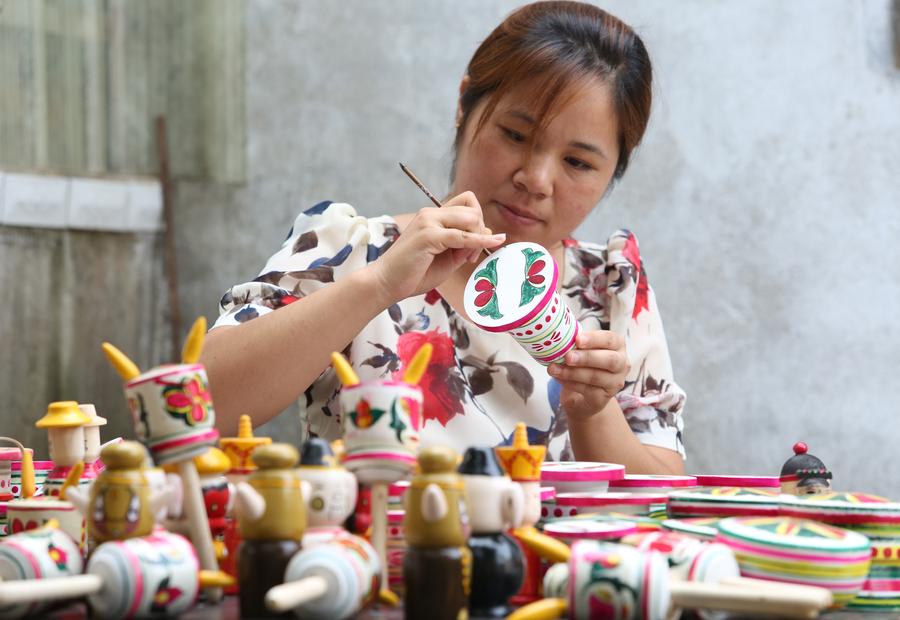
<point>594,372</point>
<point>435,243</point>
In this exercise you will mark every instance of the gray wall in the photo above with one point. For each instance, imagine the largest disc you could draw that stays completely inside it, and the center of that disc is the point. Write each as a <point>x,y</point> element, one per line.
<point>765,195</point>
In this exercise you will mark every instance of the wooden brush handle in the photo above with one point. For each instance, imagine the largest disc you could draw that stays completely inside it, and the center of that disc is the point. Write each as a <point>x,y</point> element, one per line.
<point>34,590</point>
<point>288,595</point>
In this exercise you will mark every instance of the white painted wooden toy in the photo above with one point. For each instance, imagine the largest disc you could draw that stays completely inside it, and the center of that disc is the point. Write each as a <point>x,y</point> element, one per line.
<point>172,411</point>
<point>804,474</point>
<point>580,476</point>
<point>514,290</point>
<point>92,443</point>
<point>65,424</point>
<point>7,456</point>
<point>570,530</point>
<point>333,488</point>
<point>146,577</point>
<point>381,421</point>
<point>333,580</point>
<point>876,517</point>
<point>28,513</point>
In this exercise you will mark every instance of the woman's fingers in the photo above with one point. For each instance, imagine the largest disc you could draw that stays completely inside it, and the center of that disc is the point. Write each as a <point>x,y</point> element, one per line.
<point>592,378</point>
<point>441,239</point>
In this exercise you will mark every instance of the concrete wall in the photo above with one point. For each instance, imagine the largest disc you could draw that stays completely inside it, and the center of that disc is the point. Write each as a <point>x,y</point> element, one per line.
<point>765,195</point>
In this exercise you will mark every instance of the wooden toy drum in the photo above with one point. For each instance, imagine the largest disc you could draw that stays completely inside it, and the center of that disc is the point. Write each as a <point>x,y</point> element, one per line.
<point>571,530</point>
<point>514,291</point>
<point>42,469</point>
<point>871,515</point>
<point>172,411</point>
<point>7,456</point>
<point>799,551</point>
<point>37,554</point>
<point>706,482</point>
<point>607,581</point>
<point>881,589</point>
<point>145,577</point>
<point>689,558</point>
<point>29,514</point>
<point>702,528</point>
<point>580,476</point>
<point>604,503</point>
<point>381,429</point>
<point>352,569</point>
<point>723,502</point>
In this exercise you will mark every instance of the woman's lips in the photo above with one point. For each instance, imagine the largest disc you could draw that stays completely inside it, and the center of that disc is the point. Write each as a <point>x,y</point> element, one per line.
<point>516,216</point>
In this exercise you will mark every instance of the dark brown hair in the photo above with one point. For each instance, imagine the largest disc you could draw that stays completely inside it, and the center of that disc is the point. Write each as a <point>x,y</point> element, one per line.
<point>561,45</point>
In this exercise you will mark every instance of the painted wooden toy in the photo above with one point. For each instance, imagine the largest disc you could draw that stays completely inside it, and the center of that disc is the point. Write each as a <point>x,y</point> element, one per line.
<point>218,497</point>
<point>706,482</point>
<point>437,568</point>
<point>396,551</point>
<point>332,580</point>
<point>65,423</point>
<point>381,421</point>
<point>239,449</point>
<point>522,462</point>
<point>271,517</point>
<point>723,502</point>
<point>612,581</point>
<point>93,465</point>
<point>333,488</point>
<point>876,517</point>
<point>701,528</point>
<point>7,456</point>
<point>496,505</point>
<point>514,290</point>
<point>172,411</point>
<point>580,477</point>
<point>881,589</point>
<point>649,484</point>
<point>121,503</point>
<point>804,474</point>
<point>146,577</point>
<point>39,470</point>
<point>640,504</point>
<point>28,513</point>
<point>600,528</point>
<point>799,551</point>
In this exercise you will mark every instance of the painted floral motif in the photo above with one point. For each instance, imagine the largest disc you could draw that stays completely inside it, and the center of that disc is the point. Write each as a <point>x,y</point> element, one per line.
<point>58,556</point>
<point>189,400</point>
<point>486,285</point>
<point>164,596</point>
<point>478,384</point>
<point>364,415</point>
<point>533,284</point>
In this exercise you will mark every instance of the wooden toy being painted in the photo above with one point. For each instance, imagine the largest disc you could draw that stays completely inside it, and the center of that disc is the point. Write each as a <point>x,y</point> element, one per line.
<point>437,568</point>
<point>145,577</point>
<point>615,581</point>
<point>522,462</point>
<point>496,505</point>
<point>271,517</point>
<point>381,422</point>
<point>172,411</point>
<point>804,474</point>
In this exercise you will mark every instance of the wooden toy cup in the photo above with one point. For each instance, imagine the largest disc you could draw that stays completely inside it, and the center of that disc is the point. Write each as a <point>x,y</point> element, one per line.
<point>514,291</point>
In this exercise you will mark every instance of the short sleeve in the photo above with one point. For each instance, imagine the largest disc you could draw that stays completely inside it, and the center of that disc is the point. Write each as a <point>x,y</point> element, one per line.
<point>326,242</point>
<point>610,290</point>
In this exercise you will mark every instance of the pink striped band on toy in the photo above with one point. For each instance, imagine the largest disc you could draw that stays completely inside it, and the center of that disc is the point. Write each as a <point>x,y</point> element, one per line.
<point>38,466</point>
<point>380,456</point>
<point>57,505</point>
<point>589,530</point>
<point>768,482</point>
<point>882,585</point>
<point>851,557</point>
<point>841,518</point>
<point>206,436</point>
<point>581,471</point>
<point>716,510</point>
<point>606,499</point>
<point>547,493</point>
<point>137,573</point>
<point>396,516</point>
<point>638,480</point>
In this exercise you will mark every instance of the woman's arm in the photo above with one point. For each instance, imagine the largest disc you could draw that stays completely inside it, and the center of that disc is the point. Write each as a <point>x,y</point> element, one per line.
<point>606,437</point>
<point>262,366</point>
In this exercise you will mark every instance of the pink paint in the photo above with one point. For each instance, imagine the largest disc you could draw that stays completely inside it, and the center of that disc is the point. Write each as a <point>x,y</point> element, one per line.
<point>26,553</point>
<point>606,499</point>
<point>207,436</point>
<point>632,480</point>
<point>547,493</point>
<point>831,559</point>
<point>575,471</point>
<point>769,482</point>
<point>138,576</point>
<point>838,518</point>
<point>744,510</point>
<point>381,456</point>
<point>882,585</point>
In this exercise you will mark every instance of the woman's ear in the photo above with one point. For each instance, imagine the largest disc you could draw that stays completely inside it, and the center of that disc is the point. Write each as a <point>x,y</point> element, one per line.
<point>463,86</point>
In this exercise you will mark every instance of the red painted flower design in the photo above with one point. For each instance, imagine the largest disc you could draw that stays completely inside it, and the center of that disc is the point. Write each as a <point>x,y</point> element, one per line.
<point>58,556</point>
<point>485,293</point>
<point>164,597</point>
<point>439,401</point>
<point>534,272</point>
<point>363,414</point>
<point>190,400</point>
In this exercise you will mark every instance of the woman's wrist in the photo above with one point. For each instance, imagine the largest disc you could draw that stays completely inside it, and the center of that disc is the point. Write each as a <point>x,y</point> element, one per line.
<point>372,285</point>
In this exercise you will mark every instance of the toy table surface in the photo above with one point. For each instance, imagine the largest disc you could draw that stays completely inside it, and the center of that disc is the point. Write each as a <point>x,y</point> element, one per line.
<point>228,610</point>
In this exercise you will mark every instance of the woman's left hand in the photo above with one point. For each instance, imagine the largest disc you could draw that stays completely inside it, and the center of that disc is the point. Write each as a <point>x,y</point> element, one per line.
<point>594,372</point>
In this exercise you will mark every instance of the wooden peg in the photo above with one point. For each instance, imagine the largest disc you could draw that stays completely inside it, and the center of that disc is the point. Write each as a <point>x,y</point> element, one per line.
<point>127,369</point>
<point>344,370</point>
<point>193,346</point>
<point>419,364</point>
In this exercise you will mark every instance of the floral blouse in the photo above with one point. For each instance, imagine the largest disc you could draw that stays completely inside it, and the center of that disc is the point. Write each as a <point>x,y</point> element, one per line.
<point>479,384</point>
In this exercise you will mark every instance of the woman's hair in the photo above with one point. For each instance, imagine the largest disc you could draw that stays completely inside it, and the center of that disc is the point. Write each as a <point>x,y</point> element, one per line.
<point>562,45</point>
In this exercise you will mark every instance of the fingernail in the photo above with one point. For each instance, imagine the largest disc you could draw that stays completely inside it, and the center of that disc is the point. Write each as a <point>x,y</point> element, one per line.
<point>499,236</point>
<point>574,358</point>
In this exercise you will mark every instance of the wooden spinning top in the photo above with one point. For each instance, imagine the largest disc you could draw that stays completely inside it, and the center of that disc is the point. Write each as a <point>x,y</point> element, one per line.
<point>270,504</point>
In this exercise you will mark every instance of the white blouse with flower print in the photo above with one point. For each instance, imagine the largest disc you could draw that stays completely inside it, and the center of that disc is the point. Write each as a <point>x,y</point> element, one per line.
<point>479,384</point>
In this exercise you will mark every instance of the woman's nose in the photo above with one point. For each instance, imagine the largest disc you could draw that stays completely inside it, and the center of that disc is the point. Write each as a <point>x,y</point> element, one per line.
<point>535,176</point>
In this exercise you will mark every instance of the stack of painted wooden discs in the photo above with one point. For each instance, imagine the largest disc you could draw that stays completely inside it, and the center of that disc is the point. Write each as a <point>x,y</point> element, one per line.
<point>654,485</point>
<point>710,481</point>
<point>599,528</point>
<point>703,528</point>
<point>723,502</point>
<point>570,504</point>
<point>881,589</point>
<point>548,504</point>
<point>514,290</point>
<point>580,476</point>
<point>41,470</point>
<point>799,551</point>
<point>874,516</point>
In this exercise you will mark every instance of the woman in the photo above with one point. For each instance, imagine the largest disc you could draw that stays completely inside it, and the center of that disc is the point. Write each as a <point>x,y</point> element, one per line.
<point>552,105</point>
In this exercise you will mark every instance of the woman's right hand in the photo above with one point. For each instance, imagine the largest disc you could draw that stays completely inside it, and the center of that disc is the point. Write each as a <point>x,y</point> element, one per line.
<point>435,243</point>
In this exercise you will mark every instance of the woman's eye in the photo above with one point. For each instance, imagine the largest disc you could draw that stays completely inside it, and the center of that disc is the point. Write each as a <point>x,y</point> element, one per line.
<point>512,134</point>
<point>578,164</point>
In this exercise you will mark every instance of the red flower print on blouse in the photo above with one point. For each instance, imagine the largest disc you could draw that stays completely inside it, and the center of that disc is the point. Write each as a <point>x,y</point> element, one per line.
<point>432,297</point>
<point>439,402</point>
<point>633,255</point>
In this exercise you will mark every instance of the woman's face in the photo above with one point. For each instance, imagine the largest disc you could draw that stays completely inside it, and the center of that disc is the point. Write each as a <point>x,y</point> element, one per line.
<point>540,194</point>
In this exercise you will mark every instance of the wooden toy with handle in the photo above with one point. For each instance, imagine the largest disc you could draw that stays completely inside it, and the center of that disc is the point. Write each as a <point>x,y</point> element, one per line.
<point>173,415</point>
